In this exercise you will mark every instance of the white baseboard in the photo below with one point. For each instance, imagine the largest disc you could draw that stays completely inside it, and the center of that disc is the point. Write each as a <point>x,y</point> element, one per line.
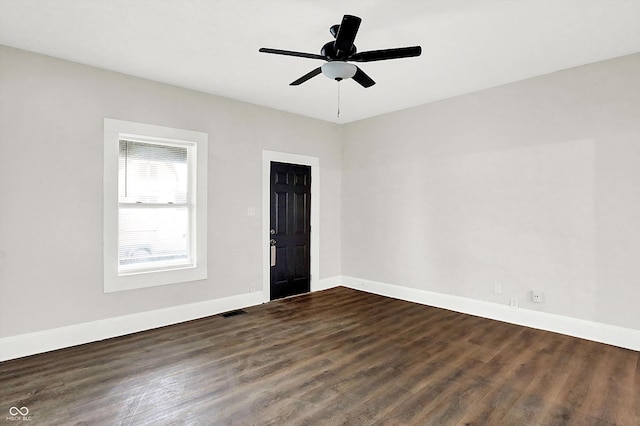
<point>327,283</point>
<point>72,335</point>
<point>62,337</point>
<point>604,333</point>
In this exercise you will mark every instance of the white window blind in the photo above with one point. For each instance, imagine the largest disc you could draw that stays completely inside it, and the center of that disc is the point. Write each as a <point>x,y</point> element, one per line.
<point>155,206</point>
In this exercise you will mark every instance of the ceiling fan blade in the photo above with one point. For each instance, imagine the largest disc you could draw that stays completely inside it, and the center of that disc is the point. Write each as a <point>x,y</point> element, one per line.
<point>291,53</point>
<point>363,79</point>
<point>347,33</point>
<point>384,54</point>
<point>306,77</point>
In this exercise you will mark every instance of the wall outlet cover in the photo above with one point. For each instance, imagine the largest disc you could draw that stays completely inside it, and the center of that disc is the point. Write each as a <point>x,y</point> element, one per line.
<point>537,296</point>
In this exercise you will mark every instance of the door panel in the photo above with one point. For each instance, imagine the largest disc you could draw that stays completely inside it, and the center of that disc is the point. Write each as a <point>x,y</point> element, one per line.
<point>301,224</point>
<point>290,221</point>
<point>281,201</point>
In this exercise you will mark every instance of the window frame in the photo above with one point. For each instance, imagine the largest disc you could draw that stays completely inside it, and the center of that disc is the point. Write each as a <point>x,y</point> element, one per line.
<point>197,143</point>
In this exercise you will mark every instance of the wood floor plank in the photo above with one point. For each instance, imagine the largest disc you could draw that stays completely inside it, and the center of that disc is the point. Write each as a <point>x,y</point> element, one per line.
<point>336,357</point>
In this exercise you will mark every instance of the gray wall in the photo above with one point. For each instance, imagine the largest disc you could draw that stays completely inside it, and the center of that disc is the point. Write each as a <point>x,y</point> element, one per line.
<point>532,185</point>
<point>51,142</point>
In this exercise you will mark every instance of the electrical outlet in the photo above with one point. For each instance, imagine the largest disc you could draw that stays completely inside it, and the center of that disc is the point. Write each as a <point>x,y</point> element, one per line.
<point>497,288</point>
<point>537,296</point>
<point>252,288</point>
<point>514,302</point>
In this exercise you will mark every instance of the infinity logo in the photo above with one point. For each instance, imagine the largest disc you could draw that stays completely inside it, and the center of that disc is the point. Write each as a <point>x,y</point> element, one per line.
<point>14,411</point>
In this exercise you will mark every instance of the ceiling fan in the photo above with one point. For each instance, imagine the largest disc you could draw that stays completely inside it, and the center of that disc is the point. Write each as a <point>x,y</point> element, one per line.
<point>339,52</point>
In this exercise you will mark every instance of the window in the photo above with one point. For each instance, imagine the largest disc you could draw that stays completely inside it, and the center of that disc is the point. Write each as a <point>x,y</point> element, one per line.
<point>155,205</point>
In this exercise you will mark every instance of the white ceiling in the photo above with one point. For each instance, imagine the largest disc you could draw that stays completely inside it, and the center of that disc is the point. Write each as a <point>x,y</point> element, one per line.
<point>212,45</point>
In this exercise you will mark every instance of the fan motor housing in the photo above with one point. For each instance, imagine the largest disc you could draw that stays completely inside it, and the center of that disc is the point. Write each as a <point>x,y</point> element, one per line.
<point>329,51</point>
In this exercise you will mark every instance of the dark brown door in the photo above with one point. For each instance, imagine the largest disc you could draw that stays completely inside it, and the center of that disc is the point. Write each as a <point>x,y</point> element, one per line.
<point>290,229</point>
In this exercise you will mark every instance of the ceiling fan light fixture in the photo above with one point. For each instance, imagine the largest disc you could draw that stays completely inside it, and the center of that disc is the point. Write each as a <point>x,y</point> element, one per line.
<point>339,70</point>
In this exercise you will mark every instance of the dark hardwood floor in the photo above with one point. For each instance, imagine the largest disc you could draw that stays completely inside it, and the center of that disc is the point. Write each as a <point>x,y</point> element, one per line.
<point>330,358</point>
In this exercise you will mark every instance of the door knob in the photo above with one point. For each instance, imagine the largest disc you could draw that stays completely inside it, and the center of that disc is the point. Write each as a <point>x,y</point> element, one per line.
<point>273,242</point>
<point>272,232</point>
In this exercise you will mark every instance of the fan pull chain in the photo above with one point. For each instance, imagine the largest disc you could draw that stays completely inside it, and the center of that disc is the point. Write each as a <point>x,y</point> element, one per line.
<point>338,98</point>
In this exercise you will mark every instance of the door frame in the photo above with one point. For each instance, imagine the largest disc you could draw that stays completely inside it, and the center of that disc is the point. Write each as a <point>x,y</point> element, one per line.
<point>305,160</point>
